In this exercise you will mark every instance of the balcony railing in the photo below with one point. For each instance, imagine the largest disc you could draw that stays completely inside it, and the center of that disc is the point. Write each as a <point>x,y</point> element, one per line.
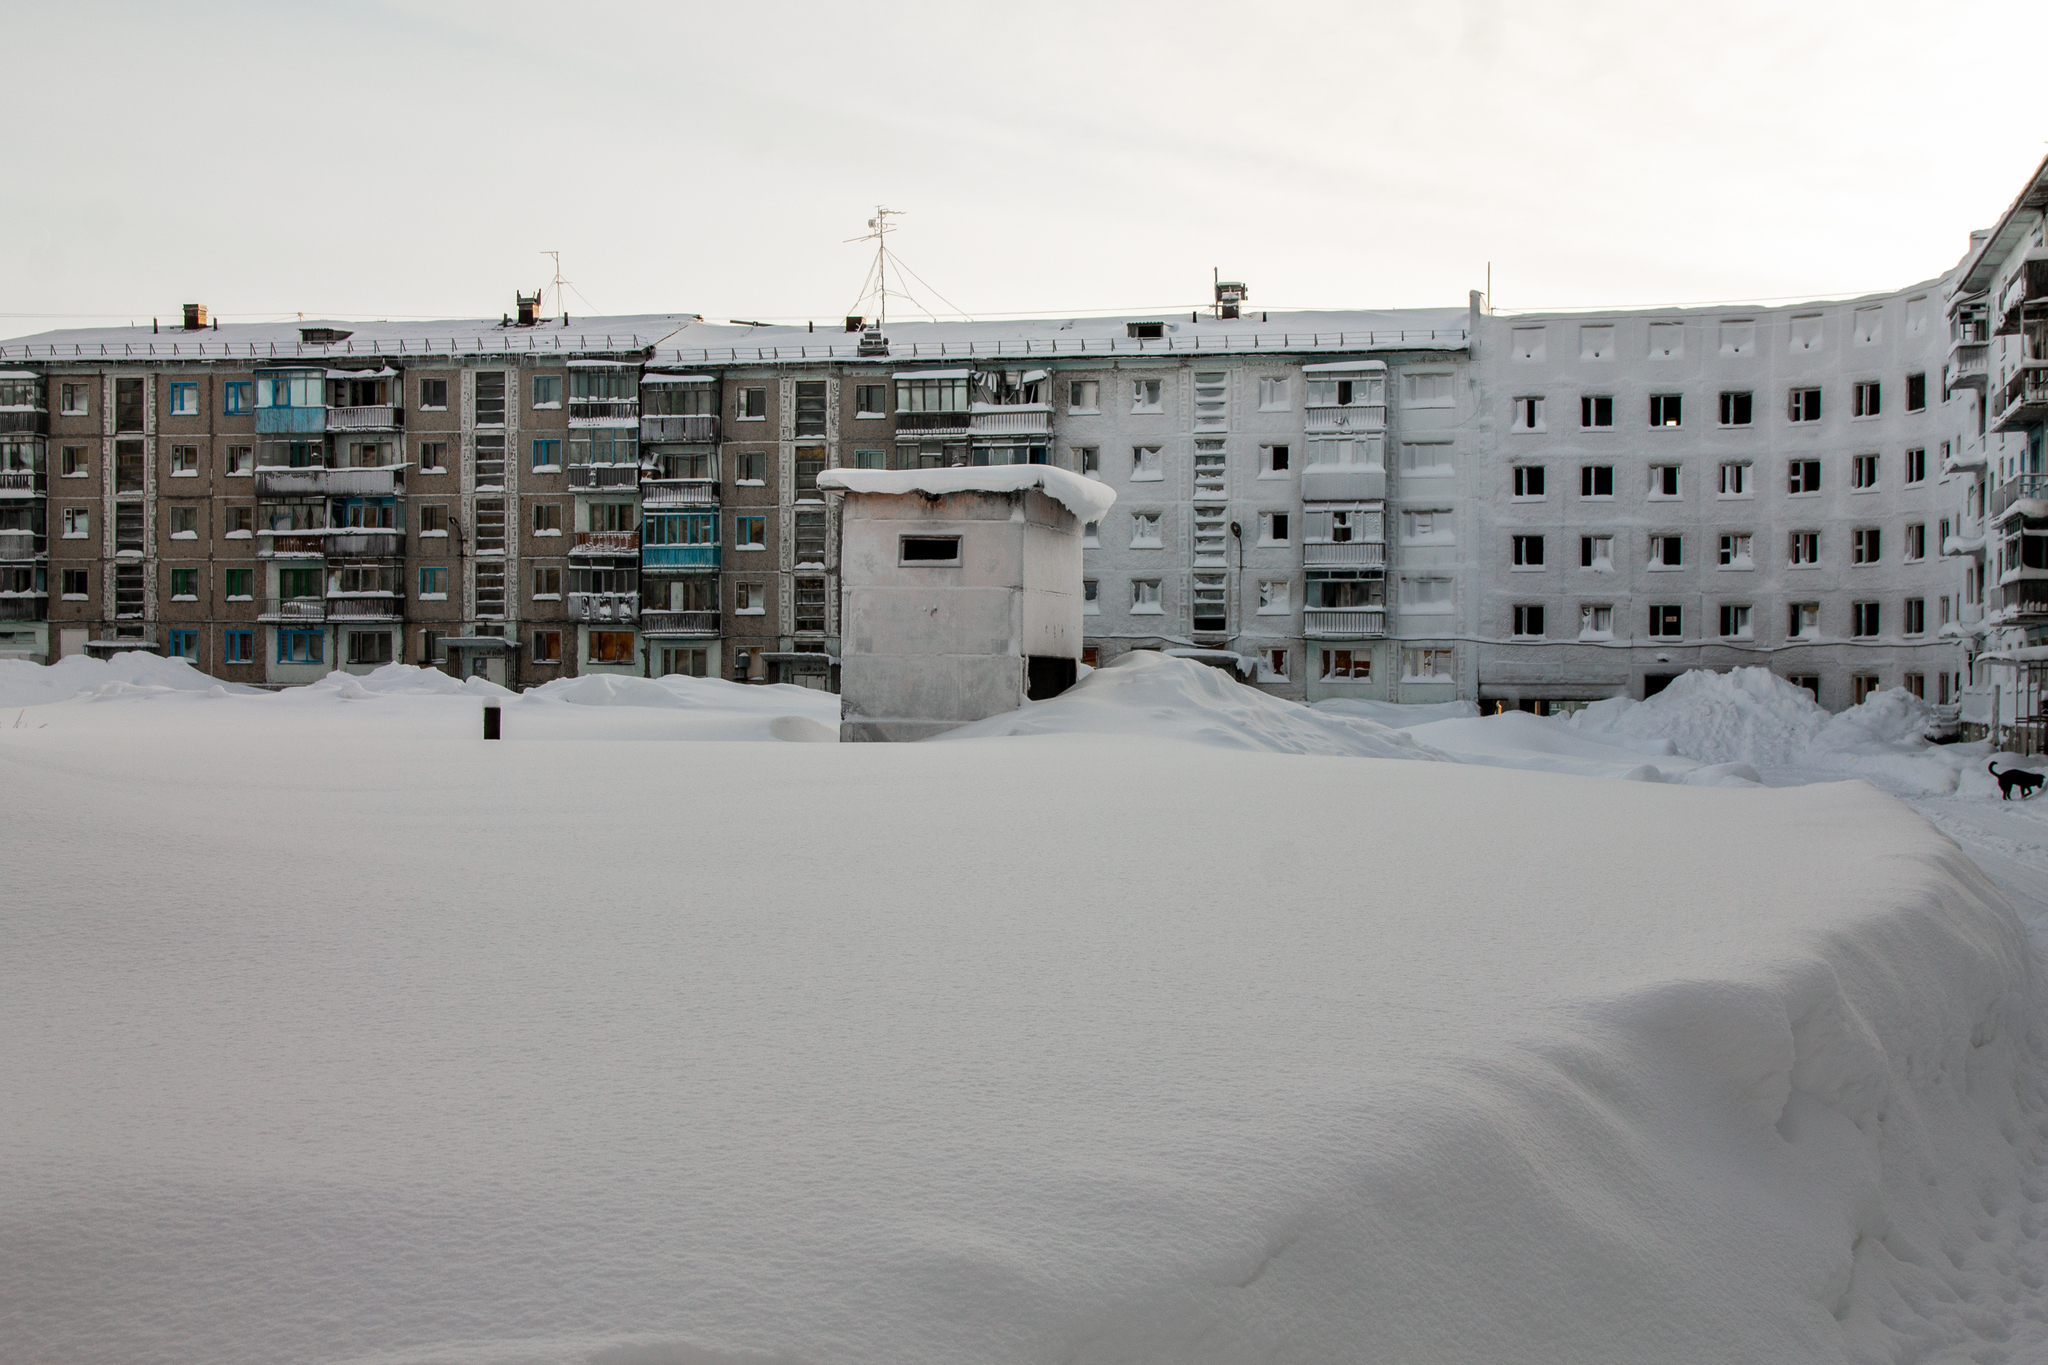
<point>23,606</point>
<point>319,481</point>
<point>366,541</point>
<point>1364,554</point>
<point>291,421</point>
<point>607,543</point>
<point>678,493</point>
<point>381,418</point>
<point>308,610</point>
<point>1970,369</point>
<point>604,411</point>
<point>1033,419</point>
<point>23,422</point>
<point>931,421</point>
<point>1356,418</point>
<point>1344,623</point>
<point>604,606</point>
<point>2019,486</point>
<point>698,429</point>
<point>19,483</point>
<point>1969,331</point>
<point>679,557</point>
<point>274,545</point>
<point>379,608</point>
<point>679,622</point>
<point>604,475</point>
<point>22,545</point>
<point>2023,402</point>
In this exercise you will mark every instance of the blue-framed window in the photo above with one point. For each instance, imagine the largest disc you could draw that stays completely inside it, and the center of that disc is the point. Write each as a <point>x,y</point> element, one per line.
<point>184,400</point>
<point>384,514</point>
<point>237,397</point>
<point>300,646</point>
<point>238,647</point>
<point>434,581</point>
<point>547,455</point>
<point>685,528</point>
<point>184,644</point>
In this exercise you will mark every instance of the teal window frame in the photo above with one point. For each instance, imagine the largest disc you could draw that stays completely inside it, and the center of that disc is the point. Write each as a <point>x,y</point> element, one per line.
<point>433,579</point>
<point>679,528</point>
<point>740,522</point>
<point>185,399</point>
<point>547,454</point>
<point>314,640</point>
<point>238,647</point>
<point>184,644</point>
<point>238,397</point>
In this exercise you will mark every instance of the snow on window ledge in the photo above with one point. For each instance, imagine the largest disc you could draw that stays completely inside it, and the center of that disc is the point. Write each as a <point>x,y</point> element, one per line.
<point>1148,609</point>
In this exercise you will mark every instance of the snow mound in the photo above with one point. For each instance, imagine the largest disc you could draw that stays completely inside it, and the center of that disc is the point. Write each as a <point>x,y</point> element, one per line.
<point>1516,739</point>
<point>1399,715</point>
<point>683,693</point>
<point>399,680</point>
<point>129,673</point>
<point>1749,715</point>
<point>1149,694</point>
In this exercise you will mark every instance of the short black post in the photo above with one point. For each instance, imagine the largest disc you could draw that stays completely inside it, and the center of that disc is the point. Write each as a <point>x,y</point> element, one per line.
<point>490,722</point>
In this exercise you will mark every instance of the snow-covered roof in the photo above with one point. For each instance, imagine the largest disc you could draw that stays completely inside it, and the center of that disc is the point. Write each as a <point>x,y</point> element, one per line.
<point>2012,228</point>
<point>1087,499</point>
<point>244,341</point>
<point>1443,329</point>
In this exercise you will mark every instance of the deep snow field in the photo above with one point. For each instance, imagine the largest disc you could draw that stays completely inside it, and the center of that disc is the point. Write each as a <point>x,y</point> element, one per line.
<point>1161,1022</point>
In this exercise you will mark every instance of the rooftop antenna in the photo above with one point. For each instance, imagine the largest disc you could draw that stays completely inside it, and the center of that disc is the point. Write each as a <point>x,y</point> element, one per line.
<point>557,282</point>
<point>878,232</point>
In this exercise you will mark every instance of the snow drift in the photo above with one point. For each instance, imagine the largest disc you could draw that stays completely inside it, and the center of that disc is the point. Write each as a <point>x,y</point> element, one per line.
<point>1148,693</point>
<point>27,684</point>
<point>1086,1049</point>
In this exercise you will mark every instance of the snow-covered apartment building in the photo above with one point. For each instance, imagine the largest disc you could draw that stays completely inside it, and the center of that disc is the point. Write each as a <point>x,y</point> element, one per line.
<point>1533,510</point>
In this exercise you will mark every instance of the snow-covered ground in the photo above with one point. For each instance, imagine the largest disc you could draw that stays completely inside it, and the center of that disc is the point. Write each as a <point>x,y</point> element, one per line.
<point>335,1033</point>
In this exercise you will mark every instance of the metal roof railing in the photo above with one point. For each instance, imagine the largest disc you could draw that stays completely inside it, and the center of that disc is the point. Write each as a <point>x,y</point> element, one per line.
<point>369,347</point>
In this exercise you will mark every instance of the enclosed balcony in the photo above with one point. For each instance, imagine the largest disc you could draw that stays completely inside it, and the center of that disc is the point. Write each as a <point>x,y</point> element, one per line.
<point>1345,420</point>
<point>933,423</point>
<point>615,607</point>
<point>695,428</point>
<point>372,541</point>
<point>317,481</point>
<point>21,483</point>
<point>24,422</point>
<point>1349,555</point>
<point>606,543</point>
<point>1968,369</point>
<point>2023,402</point>
<point>2031,488</point>
<point>700,623</point>
<point>603,412</point>
<point>1344,623</point>
<point>2027,597</point>
<point>23,606</point>
<point>290,545</point>
<point>23,545</point>
<point>2026,286</point>
<point>679,557</point>
<point>291,402</point>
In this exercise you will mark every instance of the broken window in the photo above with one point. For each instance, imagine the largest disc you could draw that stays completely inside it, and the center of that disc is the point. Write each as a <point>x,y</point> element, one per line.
<point>1864,545</point>
<point>1664,480</point>
<point>184,519</point>
<point>1145,395</point>
<point>1735,479</point>
<point>1145,531</point>
<point>1667,551</point>
<point>433,395</point>
<point>1596,620</point>
<point>1145,463</point>
<point>1734,621</point>
<point>1528,414</point>
<point>1863,472</point>
<point>1803,405</point>
<point>1211,602</point>
<point>1145,597</point>
<point>1596,552</point>
<point>129,404</point>
<point>129,467</point>
<point>1735,552</point>
<point>1805,547</point>
<point>1803,476</point>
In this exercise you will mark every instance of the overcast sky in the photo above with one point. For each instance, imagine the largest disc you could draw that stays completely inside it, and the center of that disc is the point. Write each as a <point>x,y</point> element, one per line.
<point>388,160</point>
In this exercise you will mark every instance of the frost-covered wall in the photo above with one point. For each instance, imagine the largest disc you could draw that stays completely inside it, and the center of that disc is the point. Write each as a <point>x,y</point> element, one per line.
<point>1665,490</point>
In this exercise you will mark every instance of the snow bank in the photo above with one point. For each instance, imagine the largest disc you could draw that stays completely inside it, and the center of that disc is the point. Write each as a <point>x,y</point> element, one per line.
<point>1752,716</point>
<point>1399,715</point>
<point>1087,499</point>
<point>27,684</point>
<point>1146,693</point>
<point>1088,1049</point>
<point>1514,739</point>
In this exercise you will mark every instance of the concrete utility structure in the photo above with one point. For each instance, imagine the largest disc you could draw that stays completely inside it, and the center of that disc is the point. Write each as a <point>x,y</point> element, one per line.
<point>960,591</point>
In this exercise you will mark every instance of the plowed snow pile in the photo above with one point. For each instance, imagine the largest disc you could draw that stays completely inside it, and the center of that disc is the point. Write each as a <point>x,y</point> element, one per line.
<point>364,1043</point>
<point>1151,694</point>
<point>1750,715</point>
<point>26,684</point>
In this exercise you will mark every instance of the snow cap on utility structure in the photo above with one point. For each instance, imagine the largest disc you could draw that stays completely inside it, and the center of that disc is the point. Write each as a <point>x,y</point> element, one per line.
<point>1087,499</point>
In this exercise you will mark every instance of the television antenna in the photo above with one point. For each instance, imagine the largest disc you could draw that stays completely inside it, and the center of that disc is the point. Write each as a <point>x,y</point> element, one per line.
<point>876,284</point>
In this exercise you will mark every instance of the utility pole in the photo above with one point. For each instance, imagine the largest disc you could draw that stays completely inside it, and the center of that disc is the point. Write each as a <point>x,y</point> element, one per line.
<point>558,281</point>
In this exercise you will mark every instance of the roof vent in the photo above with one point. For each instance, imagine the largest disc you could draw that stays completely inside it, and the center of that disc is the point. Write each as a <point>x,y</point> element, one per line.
<point>853,324</point>
<point>1144,331</point>
<point>872,342</point>
<point>529,307</point>
<point>322,336</point>
<point>1229,295</point>
<point>195,317</point>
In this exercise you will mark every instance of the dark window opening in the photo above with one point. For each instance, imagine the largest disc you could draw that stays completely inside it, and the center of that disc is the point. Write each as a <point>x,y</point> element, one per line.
<point>931,549</point>
<point>1046,677</point>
